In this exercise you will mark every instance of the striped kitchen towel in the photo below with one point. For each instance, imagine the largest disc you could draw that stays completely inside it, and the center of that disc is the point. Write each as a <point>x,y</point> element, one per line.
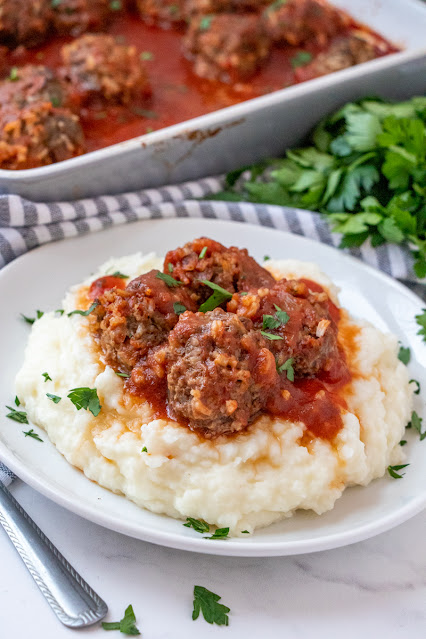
<point>6,475</point>
<point>25,225</point>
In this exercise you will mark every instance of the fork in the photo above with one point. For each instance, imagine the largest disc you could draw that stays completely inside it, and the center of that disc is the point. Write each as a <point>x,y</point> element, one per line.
<point>72,600</point>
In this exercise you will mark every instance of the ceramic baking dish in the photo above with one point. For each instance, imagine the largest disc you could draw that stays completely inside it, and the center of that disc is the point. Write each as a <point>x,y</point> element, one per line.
<point>246,132</point>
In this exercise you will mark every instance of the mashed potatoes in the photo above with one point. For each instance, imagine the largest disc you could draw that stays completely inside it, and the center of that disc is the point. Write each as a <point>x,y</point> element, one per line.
<point>250,480</point>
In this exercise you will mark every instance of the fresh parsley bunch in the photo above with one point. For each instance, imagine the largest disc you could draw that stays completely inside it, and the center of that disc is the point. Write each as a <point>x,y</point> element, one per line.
<point>365,170</point>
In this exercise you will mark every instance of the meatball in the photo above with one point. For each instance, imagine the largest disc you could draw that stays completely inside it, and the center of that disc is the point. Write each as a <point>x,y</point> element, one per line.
<point>133,320</point>
<point>343,53</point>
<point>206,7</point>
<point>204,259</point>
<point>29,84</point>
<point>219,369</point>
<point>98,68</point>
<point>298,21</point>
<point>165,13</point>
<point>74,17</point>
<point>24,22</point>
<point>227,47</point>
<point>297,322</point>
<point>37,135</point>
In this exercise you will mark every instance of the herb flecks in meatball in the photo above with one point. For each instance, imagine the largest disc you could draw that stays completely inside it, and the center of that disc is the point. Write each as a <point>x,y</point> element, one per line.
<point>37,135</point>
<point>164,13</point>
<point>132,320</point>
<point>29,84</point>
<point>204,259</point>
<point>297,323</point>
<point>227,47</point>
<point>298,21</point>
<point>74,17</point>
<point>24,21</point>
<point>219,369</point>
<point>98,68</point>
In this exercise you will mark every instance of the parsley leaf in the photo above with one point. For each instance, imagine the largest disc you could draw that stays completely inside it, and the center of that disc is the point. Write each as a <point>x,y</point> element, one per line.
<point>17,415</point>
<point>219,296</point>
<point>179,308</point>
<point>421,321</point>
<point>404,355</point>
<point>31,433</point>
<point>17,402</point>
<point>219,533</point>
<point>31,320</point>
<point>414,381</point>
<point>270,336</point>
<point>125,375</point>
<point>301,59</point>
<point>198,525</point>
<point>86,398</point>
<point>203,252</point>
<point>47,377</point>
<point>245,532</point>
<point>144,449</point>
<point>207,602</point>
<point>402,442</point>
<point>393,471</point>
<point>126,625</point>
<point>55,398</point>
<point>85,313</point>
<point>168,280</point>
<point>287,366</point>
<point>416,423</point>
<point>120,275</point>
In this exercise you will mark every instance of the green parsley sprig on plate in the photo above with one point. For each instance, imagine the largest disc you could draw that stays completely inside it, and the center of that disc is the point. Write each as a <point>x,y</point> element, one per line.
<point>365,170</point>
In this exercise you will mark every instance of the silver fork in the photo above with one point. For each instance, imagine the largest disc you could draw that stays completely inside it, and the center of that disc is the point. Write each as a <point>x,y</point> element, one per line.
<point>72,600</point>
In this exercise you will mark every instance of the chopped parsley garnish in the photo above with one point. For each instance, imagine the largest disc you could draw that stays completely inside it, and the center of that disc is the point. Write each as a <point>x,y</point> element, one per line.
<point>179,308</point>
<point>414,381</point>
<point>146,55</point>
<point>203,253</point>
<point>219,533</point>
<point>126,625</point>
<point>168,279</point>
<point>266,258</point>
<point>85,313</point>
<point>416,423</point>
<point>17,402</point>
<point>301,59</point>
<point>115,5</point>
<point>31,320</point>
<point>55,398</point>
<point>120,275</point>
<point>17,415</point>
<point>393,471</point>
<point>205,23</point>
<point>60,311</point>
<point>288,367</point>
<point>47,377</point>
<point>219,296</point>
<point>207,602</point>
<point>31,433</point>
<point>421,321</point>
<point>144,449</point>
<point>86,398</point>
<point>402,442</point>
<point>14,75</point>
<point>270,336</point>
<point>404,355</point>
<point>198,525</point>
<point>280,319</point>
<point>125,375</point>
<point>245,532</point>
<point>170,267</point>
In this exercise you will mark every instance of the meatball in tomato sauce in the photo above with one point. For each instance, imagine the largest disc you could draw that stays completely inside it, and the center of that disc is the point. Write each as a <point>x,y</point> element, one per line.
<point>24,22</point>
<point>97,68</point>
<point>204,259</point>
<point>74,17</point>
<point>219,369</point>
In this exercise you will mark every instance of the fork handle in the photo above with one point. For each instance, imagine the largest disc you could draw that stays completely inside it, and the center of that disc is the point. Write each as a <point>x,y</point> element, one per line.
<point>72,600</point>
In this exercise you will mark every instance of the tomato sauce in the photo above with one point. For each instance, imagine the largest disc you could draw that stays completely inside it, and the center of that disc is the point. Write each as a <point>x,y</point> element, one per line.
<point>178,94</point>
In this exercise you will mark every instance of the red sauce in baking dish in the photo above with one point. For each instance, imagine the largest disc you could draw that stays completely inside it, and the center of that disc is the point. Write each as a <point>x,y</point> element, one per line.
<point>178,94</point>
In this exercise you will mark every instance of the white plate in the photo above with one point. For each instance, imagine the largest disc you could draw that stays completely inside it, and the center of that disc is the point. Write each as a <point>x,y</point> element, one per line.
<point>39,279</point>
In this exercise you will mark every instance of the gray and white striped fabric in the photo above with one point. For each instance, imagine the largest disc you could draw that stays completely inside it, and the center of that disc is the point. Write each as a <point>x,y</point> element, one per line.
<point>25,225</point>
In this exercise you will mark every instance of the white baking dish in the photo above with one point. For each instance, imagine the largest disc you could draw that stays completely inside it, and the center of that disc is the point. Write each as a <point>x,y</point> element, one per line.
<point>244,133</point>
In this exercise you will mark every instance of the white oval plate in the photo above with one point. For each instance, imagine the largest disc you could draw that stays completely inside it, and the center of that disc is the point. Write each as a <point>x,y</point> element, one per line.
<point>39,279</point>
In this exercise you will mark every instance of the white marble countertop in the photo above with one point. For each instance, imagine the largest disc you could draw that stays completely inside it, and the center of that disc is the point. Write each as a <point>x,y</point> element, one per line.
<point>374,588</point>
